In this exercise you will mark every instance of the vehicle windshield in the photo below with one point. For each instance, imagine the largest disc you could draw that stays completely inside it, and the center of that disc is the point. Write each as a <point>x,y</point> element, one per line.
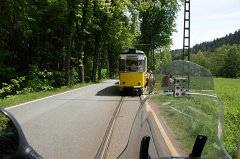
<point>132,63</point>
<point>183,107</point>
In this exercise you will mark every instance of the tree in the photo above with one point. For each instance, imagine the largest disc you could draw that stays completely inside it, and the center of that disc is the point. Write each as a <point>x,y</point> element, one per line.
<point>200,58</point>
<point>76,39</point>
<point>223,61</point>
<point>161,58</point>
<point>231,67</point>
<point>81,38</point>
<point>157,22</point>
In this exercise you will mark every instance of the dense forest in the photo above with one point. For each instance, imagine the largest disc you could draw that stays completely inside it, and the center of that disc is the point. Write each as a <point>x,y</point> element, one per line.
<point>52,43</point>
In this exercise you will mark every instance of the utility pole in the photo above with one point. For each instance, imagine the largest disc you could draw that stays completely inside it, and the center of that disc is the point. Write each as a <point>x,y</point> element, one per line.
<point>186,30</point>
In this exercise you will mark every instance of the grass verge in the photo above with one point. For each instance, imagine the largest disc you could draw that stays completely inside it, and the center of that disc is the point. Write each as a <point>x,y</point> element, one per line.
<point>229,92</point>
<point>22,98</point>
<point>191,116</point>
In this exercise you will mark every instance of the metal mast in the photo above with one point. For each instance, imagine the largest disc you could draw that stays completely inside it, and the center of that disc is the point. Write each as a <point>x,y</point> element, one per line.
<point>186,30</point>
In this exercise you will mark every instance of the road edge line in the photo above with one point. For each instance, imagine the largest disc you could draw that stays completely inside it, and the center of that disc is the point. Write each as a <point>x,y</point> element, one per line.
<point>163,132</point>
<point>36,100</point>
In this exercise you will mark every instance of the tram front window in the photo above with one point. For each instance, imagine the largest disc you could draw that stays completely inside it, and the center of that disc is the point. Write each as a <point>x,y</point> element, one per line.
<point>141,65</point>
<point>132,65</point>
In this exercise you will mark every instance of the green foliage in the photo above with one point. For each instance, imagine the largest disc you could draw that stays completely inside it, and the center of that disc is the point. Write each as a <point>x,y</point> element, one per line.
<point>22,98</point>
<point>15,87</point>
<point>104,74</point>
<point>201,59</point>
<point>6,72</point>
<point>228,90</point>
<point>157,22</point>
<point>59,79</point>
<point>39,80</point>
<point>161,58</point>
<point>74,76</point>
<point>3,123</point>
<point>223,61</point>
<point>231,67</point>
<point>94,32</point>
<point>189,117</point>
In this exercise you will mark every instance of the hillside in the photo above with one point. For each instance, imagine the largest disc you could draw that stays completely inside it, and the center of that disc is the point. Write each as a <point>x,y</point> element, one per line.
<point>230,39</point>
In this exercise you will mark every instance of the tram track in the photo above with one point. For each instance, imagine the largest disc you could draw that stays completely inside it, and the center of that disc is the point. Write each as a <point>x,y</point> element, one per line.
<point>102,150</point>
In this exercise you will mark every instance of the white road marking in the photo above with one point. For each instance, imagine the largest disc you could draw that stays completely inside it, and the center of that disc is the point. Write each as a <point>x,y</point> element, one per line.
<point>46,97</point>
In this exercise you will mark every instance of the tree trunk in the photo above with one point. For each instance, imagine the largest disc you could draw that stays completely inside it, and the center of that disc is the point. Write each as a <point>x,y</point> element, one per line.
<point>96,34</point>
<point>81,38</point>
<point>81,64</point>
<point>95,57</point>
<point>80,53</point>
<point>68,64</point>
<point>99,67</point>
<point>70,41</point>
<point>110,61</point>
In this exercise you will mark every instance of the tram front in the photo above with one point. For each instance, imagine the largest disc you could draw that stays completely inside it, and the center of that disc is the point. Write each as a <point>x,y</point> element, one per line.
<point>132,71</point>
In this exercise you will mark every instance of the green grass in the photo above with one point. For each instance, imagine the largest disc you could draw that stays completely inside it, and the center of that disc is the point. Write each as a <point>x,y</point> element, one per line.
<point>188,117</point>
<point>22,98</point>
<point>3,123</point>
<point>229,92</point>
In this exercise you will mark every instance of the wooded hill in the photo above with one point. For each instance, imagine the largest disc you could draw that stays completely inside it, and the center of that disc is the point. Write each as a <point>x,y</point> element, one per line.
<point>221,56</point>
<point>230,39</point>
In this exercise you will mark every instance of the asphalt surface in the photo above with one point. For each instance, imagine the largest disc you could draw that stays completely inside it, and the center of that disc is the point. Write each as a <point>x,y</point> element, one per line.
<point>72,125</point>
<point>123,127</point>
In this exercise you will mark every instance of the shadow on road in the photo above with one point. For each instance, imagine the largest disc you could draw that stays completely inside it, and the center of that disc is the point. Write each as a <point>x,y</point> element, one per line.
<point>113,91</point>
<point>109,91</point>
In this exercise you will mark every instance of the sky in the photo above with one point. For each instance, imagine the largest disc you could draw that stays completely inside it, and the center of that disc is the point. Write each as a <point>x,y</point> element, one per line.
<point>210,19</point>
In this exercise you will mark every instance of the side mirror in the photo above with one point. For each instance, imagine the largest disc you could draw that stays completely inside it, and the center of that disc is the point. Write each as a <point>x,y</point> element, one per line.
<point>13,144</point>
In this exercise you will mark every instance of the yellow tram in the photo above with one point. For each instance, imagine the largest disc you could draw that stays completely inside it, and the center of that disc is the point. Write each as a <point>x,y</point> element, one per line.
<point>132,71</point>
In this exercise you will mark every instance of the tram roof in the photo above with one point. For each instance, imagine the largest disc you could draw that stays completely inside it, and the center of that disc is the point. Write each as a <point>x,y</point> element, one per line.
<point>133,51</point>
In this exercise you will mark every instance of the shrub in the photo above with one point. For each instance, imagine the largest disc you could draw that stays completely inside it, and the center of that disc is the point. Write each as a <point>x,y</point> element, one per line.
<point>13,88</point>
<point>59,78</point>
<point>39,80</point>
<point>74,76</point>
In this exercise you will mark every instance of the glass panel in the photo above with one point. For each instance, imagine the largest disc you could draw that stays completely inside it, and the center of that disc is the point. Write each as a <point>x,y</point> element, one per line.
<point>173,121</point>
<point>188,117</point>
<point>196,77</point>
<point>132,65</point>
<point>141,65</point>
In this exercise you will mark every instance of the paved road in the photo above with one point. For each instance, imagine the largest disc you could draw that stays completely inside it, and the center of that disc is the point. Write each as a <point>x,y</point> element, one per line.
<point>70,125</point>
